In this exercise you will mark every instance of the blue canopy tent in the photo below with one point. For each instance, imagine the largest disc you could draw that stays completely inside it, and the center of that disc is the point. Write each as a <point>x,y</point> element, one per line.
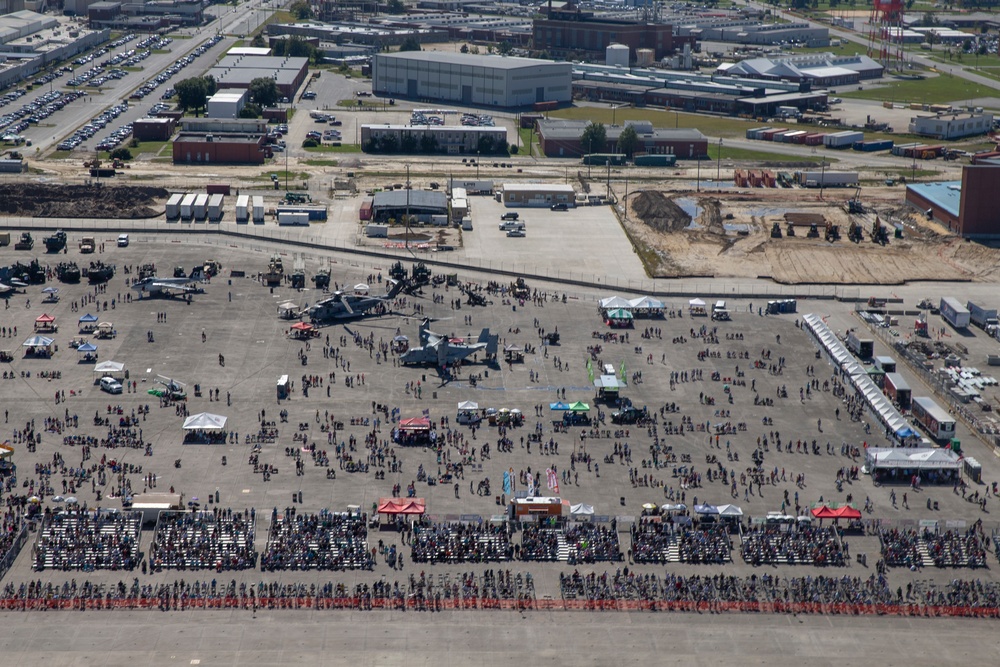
<point>89,352</point>
<point>559,406</point>
<point>88,323</point>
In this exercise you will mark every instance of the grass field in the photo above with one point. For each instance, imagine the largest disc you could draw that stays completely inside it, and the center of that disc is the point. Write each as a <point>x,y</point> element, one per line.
<point>713,126</point>
<point>342,148</point>
<point>320,163</point>
<point>933,90</point>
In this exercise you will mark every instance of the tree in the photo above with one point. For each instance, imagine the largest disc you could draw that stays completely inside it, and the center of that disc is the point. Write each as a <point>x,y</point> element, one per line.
<point>210,85</point>
<point>411,43</point>
<point>428,144</point>
<point>594,138</point>
<point>395,7</point>
<point>628,141</point>
<point>264,91</point>
<point>301,9</point>
<point>408,144</point>
<point>250,110</point>
<point>258,41</point>
<point>191,93</point>
<point>121,154</point>
<point>465,48</point>
<point>485,145</point>
<point>505,48</point>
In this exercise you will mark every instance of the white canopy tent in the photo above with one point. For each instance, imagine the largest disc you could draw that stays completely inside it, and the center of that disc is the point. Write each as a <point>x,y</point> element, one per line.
<point>646,303</point>
<point>288,310</point>
<point>614,302</point>
<point>468,405</point>
<point>912,459</point>
<point>729,510</point>
<point>205,421</point>
<point>581,509</point>
<point>106,367</point>
<point>37,341</point>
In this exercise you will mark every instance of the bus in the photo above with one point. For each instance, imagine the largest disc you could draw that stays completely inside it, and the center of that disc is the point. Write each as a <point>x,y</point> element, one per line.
<point>933,418</point>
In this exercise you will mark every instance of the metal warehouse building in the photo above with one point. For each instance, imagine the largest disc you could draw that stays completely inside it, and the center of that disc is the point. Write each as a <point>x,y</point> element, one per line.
<point>421,205</point>
<point>497,81</point>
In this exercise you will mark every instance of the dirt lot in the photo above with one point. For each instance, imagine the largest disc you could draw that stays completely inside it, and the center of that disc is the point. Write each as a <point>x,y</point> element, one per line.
<point>729,235</point>
<point>47,200</point>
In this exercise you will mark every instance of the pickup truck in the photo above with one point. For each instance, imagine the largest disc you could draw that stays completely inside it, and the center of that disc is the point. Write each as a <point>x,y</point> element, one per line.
<point>87,244</point>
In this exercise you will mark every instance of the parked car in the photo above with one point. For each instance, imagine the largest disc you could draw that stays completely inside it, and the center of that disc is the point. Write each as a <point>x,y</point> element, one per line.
<point>559,207</point>
<point>111,385</point>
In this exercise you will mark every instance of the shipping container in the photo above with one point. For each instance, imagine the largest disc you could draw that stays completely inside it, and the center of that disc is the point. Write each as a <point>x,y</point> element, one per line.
<point>217,189</point>
<point>885,364</point>
<point>756,132</point>
<point>257,212</point>
<point>897,390</point>
<point>954,313</point>
<point>375,230</point>
<point>872,146</point>
<point>174,206</point>
<point>315,212</point>
<point>215,207</point>
<point>187,206</point>
<point>937,422</point>
<point>768,135</point>
<point>827,179</point>
<point>200,207</point>
<point>814,139</point>
<point>901,149</point>
<point>654,160</point>
<point>286,219</point>
<point>843,139</point>
<point>243,209</point>
<point>792,136</point>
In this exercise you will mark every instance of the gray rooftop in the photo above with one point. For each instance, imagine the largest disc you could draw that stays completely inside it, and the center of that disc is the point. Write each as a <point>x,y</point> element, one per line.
<point>469,59</point>
<point>417,199</point>
<point>572,129</point>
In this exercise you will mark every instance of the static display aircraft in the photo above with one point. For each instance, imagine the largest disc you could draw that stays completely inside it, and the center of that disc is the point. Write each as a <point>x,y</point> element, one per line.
<point>343,306</point>
<point>442,351</point>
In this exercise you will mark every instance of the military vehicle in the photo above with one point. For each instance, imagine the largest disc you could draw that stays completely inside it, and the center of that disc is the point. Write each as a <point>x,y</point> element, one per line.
<point>68,272</point>
<point>56,242</point>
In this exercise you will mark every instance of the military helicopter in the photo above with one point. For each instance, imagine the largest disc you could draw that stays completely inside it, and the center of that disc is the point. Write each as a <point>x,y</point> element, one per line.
<point>442,351</point>
<point>343,306</point>
<point>172,389</point>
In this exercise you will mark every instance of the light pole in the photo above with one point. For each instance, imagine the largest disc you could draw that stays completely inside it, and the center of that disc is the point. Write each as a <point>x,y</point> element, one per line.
<point>698,179</point>
<point>822,178</point>
<point>718,167</point>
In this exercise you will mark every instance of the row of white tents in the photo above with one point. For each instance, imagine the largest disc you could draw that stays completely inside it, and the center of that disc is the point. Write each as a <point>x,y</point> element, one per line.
<point>642,304</point>
<point>859,378</point>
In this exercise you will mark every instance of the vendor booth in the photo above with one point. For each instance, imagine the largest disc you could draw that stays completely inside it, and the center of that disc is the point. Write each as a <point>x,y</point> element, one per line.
<point>105,330</point>
<point>45,323</point>
<point>288,310</point>
<point>51,294</point>
<point>901,465</point>
<point>528,508</point>
<point>88,323</point>
<point>400,344</point>
<point>613,303</point>
<point>647,306</point>
<point>88,353</point>
<point>114,369</point>
<point>609,388</point>
<point>696,308</point>
<point>205,428</point>
<point>415,431</point>
<point>581,511</point>
<point>468,413</point>
<point>302,331</point>
<point>513,354</point>
<point>39,347</point>
<point>619,318</point>
<point>407,506</point>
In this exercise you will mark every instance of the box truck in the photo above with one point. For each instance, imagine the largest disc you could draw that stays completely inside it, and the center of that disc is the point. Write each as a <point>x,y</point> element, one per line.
<point>954,313</point>
<point>984,318</point>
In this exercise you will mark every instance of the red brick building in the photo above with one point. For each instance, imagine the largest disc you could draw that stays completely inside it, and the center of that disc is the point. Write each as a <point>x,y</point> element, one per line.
<point>216,148</point>
<point>566,29</point>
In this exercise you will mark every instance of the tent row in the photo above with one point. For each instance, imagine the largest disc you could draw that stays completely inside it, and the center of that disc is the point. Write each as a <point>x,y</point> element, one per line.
<point>859,378</point>
<point>643,305</point>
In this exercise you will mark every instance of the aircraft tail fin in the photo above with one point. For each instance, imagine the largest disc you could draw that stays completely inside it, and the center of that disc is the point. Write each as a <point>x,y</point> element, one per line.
<point>197,273</point>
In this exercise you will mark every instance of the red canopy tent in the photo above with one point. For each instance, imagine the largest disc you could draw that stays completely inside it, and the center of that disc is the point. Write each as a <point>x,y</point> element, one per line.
<point>824,512</point>
<point>847,512</point>
<point>45,322</point>
<point>402,506</point>
<point>415,424</point>
<point>302,326</point>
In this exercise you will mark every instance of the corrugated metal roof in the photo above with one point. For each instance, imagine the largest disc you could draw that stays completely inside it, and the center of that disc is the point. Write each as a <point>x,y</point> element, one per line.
<point>470,59</point>
<point>944,194</point>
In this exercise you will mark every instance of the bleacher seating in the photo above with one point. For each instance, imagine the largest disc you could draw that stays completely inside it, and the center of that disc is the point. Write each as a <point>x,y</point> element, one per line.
<point>221,539</point>
<point>88,540</point>
<point>792,545</point>
<point>656,542</point>
<point>460,542</point>
<point>927,547</point>
<point>324,541</point>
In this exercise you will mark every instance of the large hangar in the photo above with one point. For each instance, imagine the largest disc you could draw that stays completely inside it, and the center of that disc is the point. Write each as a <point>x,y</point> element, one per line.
<point>495,81</point>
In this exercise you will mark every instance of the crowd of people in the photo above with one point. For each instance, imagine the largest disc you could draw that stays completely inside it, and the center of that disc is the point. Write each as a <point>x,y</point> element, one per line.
<point>221,539</point>
<point>914,548</point>
<point>793,545</point>
<point>592,542</point>
<point>88,540</point>
<point>324,541</point>
<point>668,542</point>
<point>458,542</point>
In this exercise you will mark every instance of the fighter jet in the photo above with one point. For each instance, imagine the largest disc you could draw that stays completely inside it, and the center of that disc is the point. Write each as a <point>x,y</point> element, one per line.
<point>441,351</point>
<point>155,286</point>
<point>343,306</point>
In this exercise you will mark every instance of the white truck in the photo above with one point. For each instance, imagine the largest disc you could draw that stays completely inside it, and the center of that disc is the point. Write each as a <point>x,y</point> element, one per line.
<point>984,318</point>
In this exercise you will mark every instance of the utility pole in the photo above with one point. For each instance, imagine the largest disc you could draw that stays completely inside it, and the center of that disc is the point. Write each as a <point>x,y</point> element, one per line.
<point>407,243</point>
<point>718,167</point>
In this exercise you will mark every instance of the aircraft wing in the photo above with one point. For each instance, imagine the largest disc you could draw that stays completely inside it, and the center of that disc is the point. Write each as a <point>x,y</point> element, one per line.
<point>170,286</point>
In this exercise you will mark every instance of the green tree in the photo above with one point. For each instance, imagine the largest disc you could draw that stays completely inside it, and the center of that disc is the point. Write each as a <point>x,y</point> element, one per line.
<point>594,138</point>
<point>250,110</point>
<point>628,141</point>
<point>409,143</point>
<point>121,154</point>
<point>410,44</point>
<point>504,48</point>
<point>210,85</point>
<point>485,145</point>
<point>428,144</point>
<point>465,48</point>
<point>264,91</point>
<point>258,41</point>
<point>301,9</point>
<point>191,93</point>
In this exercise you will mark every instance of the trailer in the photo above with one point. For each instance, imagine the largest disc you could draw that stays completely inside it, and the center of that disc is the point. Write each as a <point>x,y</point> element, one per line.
<point>863,348</point>
<point>756,132</point>
<point>218,189</point>
<point>935,420</point>
<point>243,209</point>
<point>655,160</point>
<point>187,207</point>
<point>872,146</point>
<point>885,364</point>
<point>897,390</point>
<point>258,210</point>
<point>827,179</point>
<point>288,219</point>
<point>215,207</point>
<point>174,206</point>
<point>200,207</point>
<point>814,139</point>
<point>984,318</point>
<point>315,212</point>
<point>792,137</point>
<point>954,313</point>
<point>844,139</point>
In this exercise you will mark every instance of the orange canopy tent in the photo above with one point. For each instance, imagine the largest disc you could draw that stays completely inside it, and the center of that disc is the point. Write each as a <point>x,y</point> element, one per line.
<point>402,506</point>
<point>303,326</point>
<point>415,424</point>
<point>844,512</point>
<point>45,318</point>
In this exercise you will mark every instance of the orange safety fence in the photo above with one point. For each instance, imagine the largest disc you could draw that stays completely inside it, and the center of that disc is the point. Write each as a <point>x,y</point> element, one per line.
<point>524,604</point>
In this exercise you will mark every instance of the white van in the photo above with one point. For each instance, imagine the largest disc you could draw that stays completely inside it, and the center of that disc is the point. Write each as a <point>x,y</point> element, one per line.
<point>511,225</point>
<point>123,240</point>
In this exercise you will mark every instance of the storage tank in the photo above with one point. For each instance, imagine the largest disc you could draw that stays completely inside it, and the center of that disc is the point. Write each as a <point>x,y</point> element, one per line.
<point>258,210</point>
<point>644,57</point>
<point>201,207</point>
<point>215,207</point>
<point>616,55</point>
<point>243,209</point>
<point>187,207</point>
<point>174,206</point>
